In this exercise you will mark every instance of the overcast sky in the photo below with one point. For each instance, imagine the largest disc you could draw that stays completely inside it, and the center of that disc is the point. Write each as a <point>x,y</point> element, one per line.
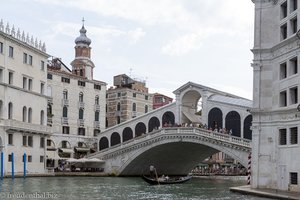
<point>165,42</point>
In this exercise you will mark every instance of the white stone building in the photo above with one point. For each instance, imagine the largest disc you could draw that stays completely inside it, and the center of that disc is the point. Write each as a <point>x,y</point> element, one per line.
<point>23,101</point>
<point>76,105</point>
<point>276,111</point>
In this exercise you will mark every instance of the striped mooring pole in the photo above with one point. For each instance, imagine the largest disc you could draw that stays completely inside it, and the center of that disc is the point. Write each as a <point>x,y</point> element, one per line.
<point>249,169</point>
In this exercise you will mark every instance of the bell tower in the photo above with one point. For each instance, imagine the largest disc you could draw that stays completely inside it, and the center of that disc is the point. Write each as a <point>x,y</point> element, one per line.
<point>82,65</point>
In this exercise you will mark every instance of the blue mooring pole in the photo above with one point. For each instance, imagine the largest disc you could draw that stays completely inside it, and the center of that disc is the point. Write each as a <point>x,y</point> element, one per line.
<point>24,159</point>
<point>12,166</point>
<point>2,165</point>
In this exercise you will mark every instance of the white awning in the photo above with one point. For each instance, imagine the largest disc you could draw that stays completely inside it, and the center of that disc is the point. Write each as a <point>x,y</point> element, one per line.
<point>82,149</point>
<point>52,155</point>
<point>64,150</point>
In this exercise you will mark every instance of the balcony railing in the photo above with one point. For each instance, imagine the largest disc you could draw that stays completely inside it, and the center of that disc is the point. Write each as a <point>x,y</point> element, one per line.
<point>80,122</point>
<point>96,124</point>
<point>97,107</point>
<point>65,121</point>
<point>23,126</point>
<point>80,104</point>
<point>65,102</point>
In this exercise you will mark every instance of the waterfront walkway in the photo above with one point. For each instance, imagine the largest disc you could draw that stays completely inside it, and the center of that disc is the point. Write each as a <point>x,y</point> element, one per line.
<point>269,193</point>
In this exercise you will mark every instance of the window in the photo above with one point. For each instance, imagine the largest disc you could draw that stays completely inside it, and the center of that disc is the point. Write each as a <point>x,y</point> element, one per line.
<point>42,88</point>
<point>10,52</point>
<point>49,76</point>
<point>283,32</point>
<point>80,97</point>
<point>10,139</point>
<point>30,141</point>
<point>24,140</point>
<point>24,83</point>
<point>29,158</point>
<point>293,178</point>
<point>64,144</point>
<point>146,108</point>
<point>10,110</point>
<point>65,80</point>
<point>9,157</point>
<point>48,143</point>
<point>65,111</point>
<point>97,116</point>
<point>65,94</point>
<point>42,65</point>
<point>81,83</point>
<point>294,5</point>
<point>283,8</point>
<point>29,115</point>
<point>96,132</point>
<point>118,119</point>
<point>42,142</point>
<point>29,84</point>
<point>282,100</point>
<point>293,95</point>
<point>282,136</point>
<point>10,78</point>
<point>294,135</point>
<point>119,94</point>
<point>1,75</point>
<point>24,117</point>
<point>293,66</point>
<point>134,94</point>
<point>134,107</point>
<point>293,23</point>
<point>65,130</point>
<point>97,100</point>
<point>80,113</point>
<point>97,87</point>
<point>81,131</point>
<point>42,117</point>
<point>25,58</point>
<point>41,159</point>
<point>1,47</point>
<point>30,60</point>
<point>118,106</point>
<point>146,97</point>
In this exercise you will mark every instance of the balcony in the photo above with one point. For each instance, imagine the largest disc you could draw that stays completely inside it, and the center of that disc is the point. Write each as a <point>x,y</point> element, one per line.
<point>80,122</point>
<point>14,125</point>
<point>65,121</point>
<point>97,107</point>
<point>81,104</point>
<point>49,121</point>
<point>65,102</point>
<point>50,101</point>
<point>96,124</point>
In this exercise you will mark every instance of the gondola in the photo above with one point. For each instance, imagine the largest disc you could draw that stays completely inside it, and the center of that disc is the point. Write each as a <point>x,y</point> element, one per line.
<point>160,181</point>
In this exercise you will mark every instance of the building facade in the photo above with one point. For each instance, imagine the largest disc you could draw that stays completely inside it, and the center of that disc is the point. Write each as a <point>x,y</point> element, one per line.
<point>23,101</point>
<point>127,99</point>
<point>76,104</point>
<point>276,116</point>
<point>160,100</point>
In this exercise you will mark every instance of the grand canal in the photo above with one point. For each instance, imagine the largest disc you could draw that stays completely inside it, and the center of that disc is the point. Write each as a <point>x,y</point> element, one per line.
<point>113,188</point>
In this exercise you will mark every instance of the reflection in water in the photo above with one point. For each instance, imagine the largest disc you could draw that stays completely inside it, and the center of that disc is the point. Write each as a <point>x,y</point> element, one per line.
<point>112,188</point>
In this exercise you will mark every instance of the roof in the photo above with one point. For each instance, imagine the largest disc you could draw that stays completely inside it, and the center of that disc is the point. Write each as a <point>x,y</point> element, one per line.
<point>231,100</point>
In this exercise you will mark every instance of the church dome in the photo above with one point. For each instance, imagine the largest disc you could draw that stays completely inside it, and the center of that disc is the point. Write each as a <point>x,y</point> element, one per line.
<point>83,39</point>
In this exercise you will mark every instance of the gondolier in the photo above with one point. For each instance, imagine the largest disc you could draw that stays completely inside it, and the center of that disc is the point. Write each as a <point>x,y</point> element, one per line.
<point>152,171</point>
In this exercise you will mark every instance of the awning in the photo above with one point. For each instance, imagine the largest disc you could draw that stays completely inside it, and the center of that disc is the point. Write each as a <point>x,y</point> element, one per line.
<point>64,150</point>
<point>82,149</point>
<point>52,155</point>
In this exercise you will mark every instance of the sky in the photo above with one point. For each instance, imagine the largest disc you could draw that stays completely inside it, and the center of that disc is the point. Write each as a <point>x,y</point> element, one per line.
<point>166,43</point>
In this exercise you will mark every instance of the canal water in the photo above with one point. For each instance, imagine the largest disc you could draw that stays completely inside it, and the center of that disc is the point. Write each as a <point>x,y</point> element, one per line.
<point>115,188</point>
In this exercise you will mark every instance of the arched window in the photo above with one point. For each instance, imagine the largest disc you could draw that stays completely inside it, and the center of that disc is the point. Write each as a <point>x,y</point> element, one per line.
<point>29,115</point>
<point>118,106</point>
<point>24,116</point>
<point>65,111</point>
<point>146,108</point>
<point>80,113</point>
<point>65,94</point>
<point>80,97</point>
<point>42,118</point>
<point>49,110</point>
<point>97,116</point>
<point>10,110</point>
<point>134,107</point>
<point>97,100</point>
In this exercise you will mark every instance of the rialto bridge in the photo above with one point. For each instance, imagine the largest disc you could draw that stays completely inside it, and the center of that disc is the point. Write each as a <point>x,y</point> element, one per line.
<point>170,137</point>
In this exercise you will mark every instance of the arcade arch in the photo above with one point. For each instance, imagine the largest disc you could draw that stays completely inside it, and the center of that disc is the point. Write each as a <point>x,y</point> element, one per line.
<point>191,106</point>
<point>153,124</point>
<point>115,139</point>
<point>127,134</point>
<point>247,125</point>
<point>168,118</point>
<point>103,143</point>
<point>140,129</point>
<point>233,122</point>
<point>215,118</point>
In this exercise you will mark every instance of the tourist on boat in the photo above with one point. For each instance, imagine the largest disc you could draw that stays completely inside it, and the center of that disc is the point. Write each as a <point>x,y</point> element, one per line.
<point>152,171</point>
